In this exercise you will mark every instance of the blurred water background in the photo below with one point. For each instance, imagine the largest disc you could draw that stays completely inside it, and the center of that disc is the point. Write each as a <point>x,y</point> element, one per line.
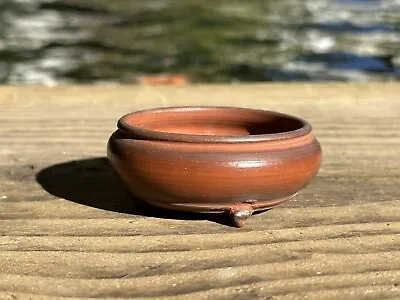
<point>92,41</point>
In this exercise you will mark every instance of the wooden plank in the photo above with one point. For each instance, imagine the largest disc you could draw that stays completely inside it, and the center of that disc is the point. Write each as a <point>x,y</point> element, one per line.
<point>69,229</point>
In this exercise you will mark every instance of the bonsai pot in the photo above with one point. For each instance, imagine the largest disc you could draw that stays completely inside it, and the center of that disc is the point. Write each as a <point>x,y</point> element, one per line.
<point>214,159</point>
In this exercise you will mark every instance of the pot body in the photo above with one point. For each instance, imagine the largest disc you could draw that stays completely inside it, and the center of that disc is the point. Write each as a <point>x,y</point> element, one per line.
<point>214,177</point>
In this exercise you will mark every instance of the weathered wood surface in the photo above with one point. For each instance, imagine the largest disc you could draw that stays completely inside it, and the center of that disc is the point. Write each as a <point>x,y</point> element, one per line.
<point>69,229</point>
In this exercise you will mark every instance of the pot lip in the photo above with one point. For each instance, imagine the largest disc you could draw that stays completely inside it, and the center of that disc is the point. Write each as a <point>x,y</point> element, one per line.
<point>147,134</point>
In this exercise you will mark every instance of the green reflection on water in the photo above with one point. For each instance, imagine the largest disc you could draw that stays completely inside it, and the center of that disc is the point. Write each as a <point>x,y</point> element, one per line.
<point>206,40</point>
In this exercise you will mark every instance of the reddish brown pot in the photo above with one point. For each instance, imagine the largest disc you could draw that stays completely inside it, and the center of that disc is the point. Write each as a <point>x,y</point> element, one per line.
<point>214,159</point>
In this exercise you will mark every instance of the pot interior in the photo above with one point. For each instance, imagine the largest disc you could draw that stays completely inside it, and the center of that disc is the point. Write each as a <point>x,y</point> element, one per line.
<point>214,121</point>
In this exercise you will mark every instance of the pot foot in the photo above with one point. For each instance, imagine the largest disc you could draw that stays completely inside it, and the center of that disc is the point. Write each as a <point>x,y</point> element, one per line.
<point>240,213</point>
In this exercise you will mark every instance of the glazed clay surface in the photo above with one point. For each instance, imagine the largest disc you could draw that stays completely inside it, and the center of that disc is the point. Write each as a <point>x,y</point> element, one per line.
<point>212,159</point>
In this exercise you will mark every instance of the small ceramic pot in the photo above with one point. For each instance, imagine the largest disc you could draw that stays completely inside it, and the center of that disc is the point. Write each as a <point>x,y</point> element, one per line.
<point>214,159</point>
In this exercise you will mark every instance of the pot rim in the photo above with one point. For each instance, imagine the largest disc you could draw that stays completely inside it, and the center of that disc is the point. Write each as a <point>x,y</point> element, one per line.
<point>148,134</point>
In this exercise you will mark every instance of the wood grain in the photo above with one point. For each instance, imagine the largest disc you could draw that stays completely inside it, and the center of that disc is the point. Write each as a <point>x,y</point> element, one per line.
<point>69,229</point>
